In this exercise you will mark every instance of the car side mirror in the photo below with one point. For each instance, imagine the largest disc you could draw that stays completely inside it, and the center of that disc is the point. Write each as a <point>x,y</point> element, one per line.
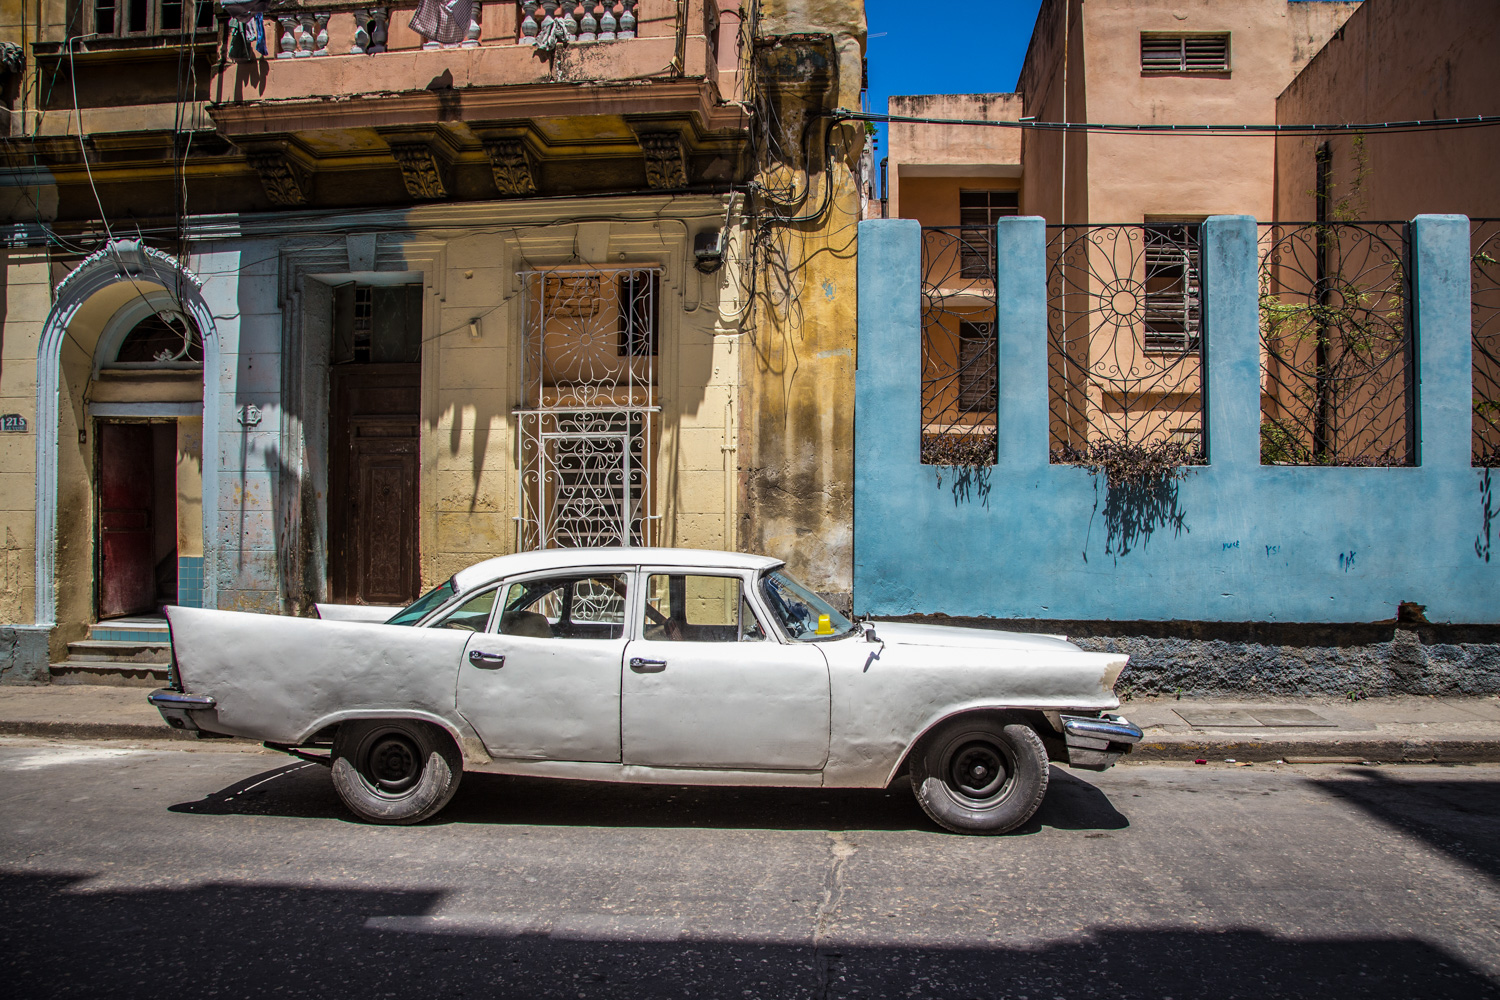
<point>870,635</point>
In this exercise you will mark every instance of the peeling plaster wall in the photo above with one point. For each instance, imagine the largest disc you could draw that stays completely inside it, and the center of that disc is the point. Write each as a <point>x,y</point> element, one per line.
<point>27,298</point>
<point>795,445</point>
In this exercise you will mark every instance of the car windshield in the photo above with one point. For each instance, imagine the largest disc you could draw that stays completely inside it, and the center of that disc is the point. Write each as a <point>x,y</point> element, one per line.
<point>424,605</point>
<point>804,615</point>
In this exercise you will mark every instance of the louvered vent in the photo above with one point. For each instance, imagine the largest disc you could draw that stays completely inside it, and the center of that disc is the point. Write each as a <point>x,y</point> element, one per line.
<point>1184,53</point>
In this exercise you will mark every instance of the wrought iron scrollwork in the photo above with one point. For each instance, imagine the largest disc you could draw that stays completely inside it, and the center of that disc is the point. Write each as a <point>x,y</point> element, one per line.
<point>588,426</point>
<point>1125,351</point>
<point>959,374</point>
<point>1338,372</point>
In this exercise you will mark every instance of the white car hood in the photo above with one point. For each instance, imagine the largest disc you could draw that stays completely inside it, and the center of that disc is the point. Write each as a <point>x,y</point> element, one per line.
<point>908,634</point>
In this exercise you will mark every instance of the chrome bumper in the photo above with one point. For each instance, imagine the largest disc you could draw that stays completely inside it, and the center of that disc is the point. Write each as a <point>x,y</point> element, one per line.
<point>1096,743</point>
<point>176,707</point>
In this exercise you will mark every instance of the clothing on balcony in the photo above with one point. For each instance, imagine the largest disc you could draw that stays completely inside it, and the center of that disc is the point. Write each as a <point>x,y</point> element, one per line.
<point>445,21</point>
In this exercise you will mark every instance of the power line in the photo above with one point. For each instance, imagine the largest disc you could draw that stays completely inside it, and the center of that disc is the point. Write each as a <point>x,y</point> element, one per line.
<point>1418,125</point>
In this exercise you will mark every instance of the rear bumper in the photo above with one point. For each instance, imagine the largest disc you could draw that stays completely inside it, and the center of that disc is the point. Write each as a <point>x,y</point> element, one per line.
<point>1097,743</point>
<point>177,708</point>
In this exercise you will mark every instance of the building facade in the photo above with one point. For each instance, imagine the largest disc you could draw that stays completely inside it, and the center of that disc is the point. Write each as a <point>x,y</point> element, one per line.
<point>330,321</point>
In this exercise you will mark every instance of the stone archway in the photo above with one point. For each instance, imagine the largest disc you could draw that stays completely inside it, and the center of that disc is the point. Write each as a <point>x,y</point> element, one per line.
<point>121,261</point>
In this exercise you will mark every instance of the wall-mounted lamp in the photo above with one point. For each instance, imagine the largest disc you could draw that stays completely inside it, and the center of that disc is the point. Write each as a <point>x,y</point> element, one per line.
<point>474,331</point>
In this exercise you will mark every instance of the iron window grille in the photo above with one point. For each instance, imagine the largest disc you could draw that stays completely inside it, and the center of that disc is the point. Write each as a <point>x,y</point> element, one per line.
<point>959,374</point>
<point>1105,382</point>
<point>977,213</point>
<point>588,425</point>
<point>126,18</point>
<point>1173,305</point>
<point>1484,243</point>
<point>1339,377</point>
<point>1184,53</point>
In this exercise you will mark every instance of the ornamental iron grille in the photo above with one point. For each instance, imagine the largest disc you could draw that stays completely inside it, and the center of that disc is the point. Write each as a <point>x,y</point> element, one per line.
<point>959,375</point>
<point>1124,343</point>
<point>1484,243</point>
<point>588,422</point>
<point>1338,370</point>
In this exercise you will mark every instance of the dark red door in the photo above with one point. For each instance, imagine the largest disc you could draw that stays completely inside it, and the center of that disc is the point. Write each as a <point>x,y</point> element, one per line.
<point>127,569</point>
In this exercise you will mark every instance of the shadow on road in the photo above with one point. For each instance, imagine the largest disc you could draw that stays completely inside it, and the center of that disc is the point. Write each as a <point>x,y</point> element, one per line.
<point>304,790</point>
<point>69,940</point>
<point>1460,818</point>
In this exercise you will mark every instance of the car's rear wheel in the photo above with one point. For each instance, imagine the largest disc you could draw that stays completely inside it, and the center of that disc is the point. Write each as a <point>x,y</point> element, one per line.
<point>395,770</point>
<point>980,774</point>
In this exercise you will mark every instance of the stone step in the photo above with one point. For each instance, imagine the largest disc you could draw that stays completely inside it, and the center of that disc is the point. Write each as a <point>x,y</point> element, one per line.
<point>120,651</point>
<point>113,674</point>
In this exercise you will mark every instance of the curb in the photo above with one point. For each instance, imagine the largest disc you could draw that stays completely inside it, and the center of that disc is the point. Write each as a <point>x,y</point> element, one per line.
<point>1394,751</point>
<point>93,730</point>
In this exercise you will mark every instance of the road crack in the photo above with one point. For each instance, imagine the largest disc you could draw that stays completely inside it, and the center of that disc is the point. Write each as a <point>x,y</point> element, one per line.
<point>825,962</point>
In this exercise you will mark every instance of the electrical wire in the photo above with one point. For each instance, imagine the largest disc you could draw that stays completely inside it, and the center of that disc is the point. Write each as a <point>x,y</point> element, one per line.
<point>1418,125</point>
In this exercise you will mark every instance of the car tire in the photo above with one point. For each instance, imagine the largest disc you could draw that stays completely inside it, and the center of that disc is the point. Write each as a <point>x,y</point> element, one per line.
<point>980,774</point>
<point>395,771</point>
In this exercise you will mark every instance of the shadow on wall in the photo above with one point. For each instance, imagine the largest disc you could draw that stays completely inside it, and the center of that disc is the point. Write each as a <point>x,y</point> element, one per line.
<point>1482,541</point>
<point>1133,512</point>
<point>295,940</point>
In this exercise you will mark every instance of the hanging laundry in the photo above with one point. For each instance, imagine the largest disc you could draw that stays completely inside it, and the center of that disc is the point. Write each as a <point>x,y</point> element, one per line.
<point>445,21</point>
<point>247,32</point>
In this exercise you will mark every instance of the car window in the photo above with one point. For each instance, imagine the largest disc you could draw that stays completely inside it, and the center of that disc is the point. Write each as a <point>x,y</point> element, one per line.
<point>805,616</point>
<point>424,605</point>
<point>690,607</point>
<point>590,606</point>
<point>471,615</point>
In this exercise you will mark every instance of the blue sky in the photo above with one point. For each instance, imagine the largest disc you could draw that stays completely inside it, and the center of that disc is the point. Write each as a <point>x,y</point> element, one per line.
<point>973,48</point>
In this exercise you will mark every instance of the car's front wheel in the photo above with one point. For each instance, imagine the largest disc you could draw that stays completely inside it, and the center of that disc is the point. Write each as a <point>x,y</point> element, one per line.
<point>395,770</point>
<point>980,774</point>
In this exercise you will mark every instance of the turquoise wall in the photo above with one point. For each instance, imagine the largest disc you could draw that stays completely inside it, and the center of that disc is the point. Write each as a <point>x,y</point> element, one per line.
<point>1238,542</point>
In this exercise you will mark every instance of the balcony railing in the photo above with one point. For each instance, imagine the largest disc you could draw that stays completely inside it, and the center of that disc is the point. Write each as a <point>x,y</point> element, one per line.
<point>350,29</point>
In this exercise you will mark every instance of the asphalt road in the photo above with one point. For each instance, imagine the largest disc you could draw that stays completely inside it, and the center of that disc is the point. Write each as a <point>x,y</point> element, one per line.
<point>217,872</point>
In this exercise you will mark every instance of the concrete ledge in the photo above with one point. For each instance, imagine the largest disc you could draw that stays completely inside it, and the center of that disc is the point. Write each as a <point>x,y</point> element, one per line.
<point>92,730</point>
<point>1390,751</point>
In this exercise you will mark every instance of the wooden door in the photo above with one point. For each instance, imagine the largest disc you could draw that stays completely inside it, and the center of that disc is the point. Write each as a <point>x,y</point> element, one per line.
<point>372,502</point>
<point>127,569</point>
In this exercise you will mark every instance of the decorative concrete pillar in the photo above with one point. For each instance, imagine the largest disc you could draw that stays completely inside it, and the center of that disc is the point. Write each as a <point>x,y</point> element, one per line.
<point>627,20</point>
<point>378,31</point>
<point>1021,417</point>
<point>471,38</point>
<point>528,22</point>
<point>1441,315</point>
<point>306,39</point>
<point>888,373</point>
<point>286,44</point>
<point>588,26</point>
<point>1229,270</point>
<point>361,41</point>
<point>607,23</point>
<point>320,36</point>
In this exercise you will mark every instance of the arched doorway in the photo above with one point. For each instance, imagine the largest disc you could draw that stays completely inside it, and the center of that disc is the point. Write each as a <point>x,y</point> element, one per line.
<point>123,410</point>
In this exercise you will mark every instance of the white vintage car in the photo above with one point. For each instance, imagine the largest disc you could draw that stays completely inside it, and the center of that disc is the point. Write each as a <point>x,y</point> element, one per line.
<point>645,664</point>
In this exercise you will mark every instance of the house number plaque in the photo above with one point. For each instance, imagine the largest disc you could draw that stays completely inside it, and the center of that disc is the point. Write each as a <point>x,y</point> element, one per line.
<point>12,423</point>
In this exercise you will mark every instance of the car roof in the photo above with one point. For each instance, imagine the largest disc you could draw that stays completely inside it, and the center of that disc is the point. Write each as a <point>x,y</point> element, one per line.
<point>545,559</point>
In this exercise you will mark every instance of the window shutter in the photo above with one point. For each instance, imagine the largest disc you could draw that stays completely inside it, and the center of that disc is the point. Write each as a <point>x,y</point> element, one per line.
<point>1184,53</point>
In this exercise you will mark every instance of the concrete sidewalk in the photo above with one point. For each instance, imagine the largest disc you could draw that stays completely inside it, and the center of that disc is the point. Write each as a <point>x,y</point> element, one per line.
<point>1442,730</point>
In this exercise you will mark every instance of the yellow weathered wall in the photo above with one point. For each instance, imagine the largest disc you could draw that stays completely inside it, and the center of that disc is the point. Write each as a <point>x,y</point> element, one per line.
<point>189,486</point>
<point>796,441</point>
<point>27,298</point>
<point>470,493</point>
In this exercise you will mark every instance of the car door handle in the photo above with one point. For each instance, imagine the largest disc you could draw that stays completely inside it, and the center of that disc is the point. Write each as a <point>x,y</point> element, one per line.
<point>641,666</point>
<point>489,661</point>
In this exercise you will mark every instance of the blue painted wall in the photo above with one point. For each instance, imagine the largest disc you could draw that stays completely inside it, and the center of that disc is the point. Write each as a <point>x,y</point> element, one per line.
<point>1243,542</point>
